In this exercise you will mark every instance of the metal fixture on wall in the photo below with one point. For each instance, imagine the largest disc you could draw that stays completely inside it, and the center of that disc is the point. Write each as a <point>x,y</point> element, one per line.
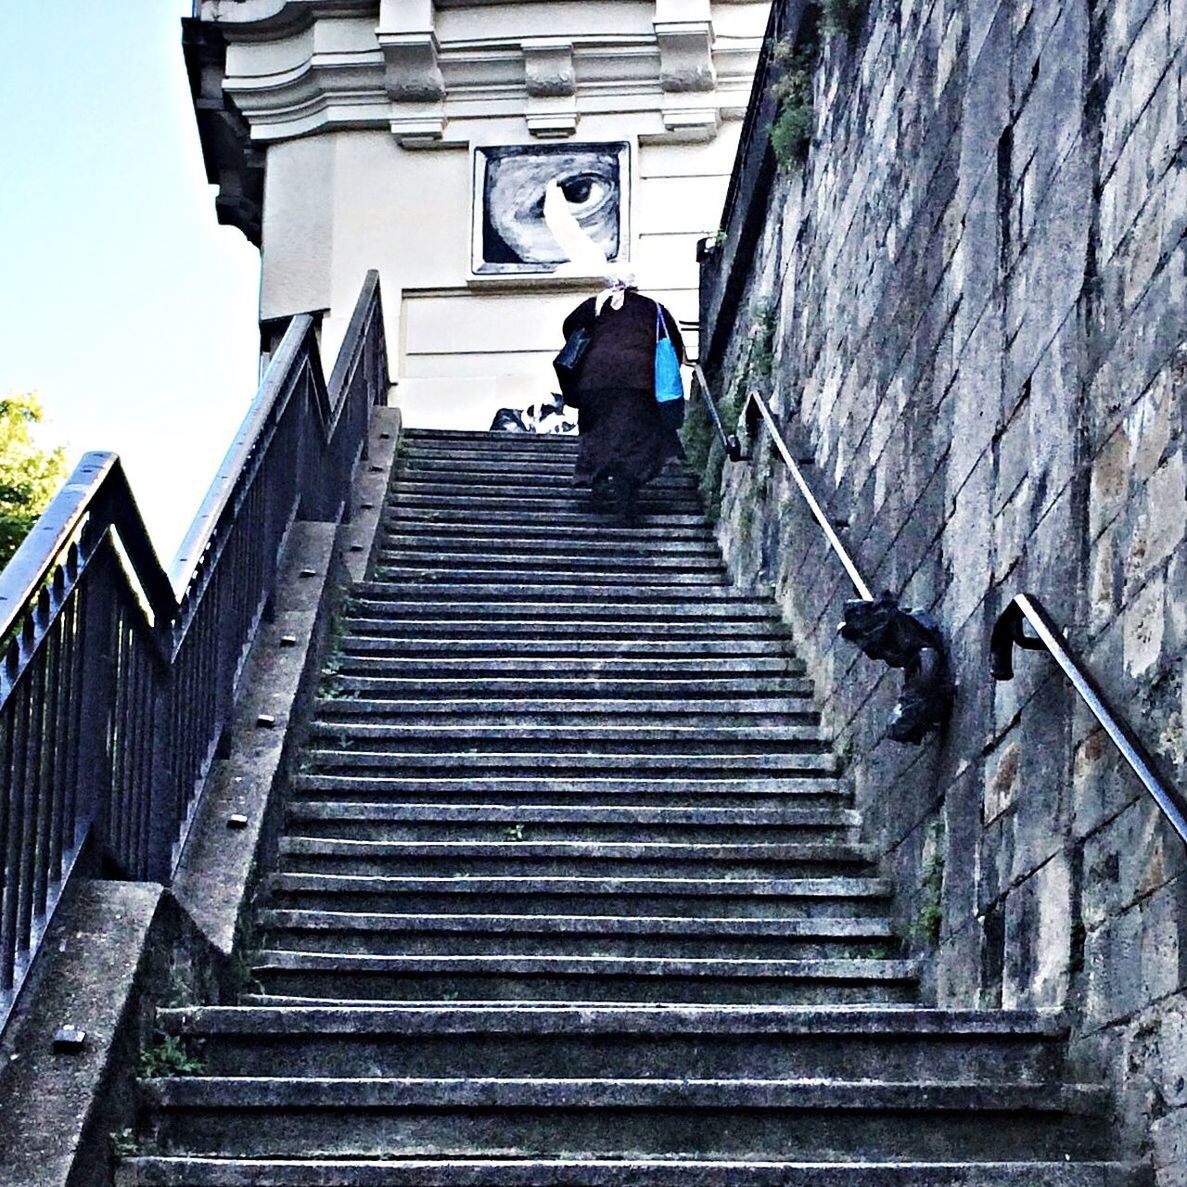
<point>910,640</point>
<point>880,627</point>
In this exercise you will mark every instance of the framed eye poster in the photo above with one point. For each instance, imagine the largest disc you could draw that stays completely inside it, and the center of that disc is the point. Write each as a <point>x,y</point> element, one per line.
<point>511,235</point>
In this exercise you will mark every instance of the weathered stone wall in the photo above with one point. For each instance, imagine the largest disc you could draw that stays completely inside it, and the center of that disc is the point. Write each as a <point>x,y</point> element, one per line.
<point>977,284</point>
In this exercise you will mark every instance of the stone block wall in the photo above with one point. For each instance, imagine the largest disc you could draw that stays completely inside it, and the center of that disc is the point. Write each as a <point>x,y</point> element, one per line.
<point>969,308</point>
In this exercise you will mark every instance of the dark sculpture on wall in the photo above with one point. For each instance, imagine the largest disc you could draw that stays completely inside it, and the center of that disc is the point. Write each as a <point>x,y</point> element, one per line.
<point>911,640</point>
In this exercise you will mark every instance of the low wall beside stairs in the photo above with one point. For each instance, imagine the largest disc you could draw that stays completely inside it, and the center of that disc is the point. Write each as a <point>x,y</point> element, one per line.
<point>969,307</point>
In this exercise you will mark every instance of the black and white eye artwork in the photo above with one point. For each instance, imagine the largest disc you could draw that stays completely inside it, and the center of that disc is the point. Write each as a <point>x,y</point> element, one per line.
<point>511,234</point>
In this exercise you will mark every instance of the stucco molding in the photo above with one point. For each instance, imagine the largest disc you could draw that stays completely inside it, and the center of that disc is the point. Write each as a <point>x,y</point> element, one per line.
<point>293,68</point>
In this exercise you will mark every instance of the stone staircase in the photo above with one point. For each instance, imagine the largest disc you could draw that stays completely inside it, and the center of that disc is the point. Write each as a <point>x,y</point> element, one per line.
<point>571,894</point>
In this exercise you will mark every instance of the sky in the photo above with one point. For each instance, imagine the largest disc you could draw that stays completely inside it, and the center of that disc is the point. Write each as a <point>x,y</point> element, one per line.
<point>122,302</point>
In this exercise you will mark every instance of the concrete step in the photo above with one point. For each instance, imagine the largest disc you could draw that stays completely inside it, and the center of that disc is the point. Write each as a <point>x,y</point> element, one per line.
<point>902,1043</point>
<point>640,602</point>
<point>565,654</point>
<point>625,594</point>
<point>657,509</point>
<point>474,439</point>
<point>543,486</point>
<point>530,539</point>
<point>641,734</point>
<point>559,977</point>
<point>560,858</point>
<point>490,468</point>
<point>376,933</point>
<point>185,1171</point>
<point>269,1115</point>
<point>561,518</point>
<point>680,671</point>
<point>577,557</point>
<point>554,630</point>
<point>517,479</point>
<point>750,794</point>
<point>669,760</point>
<point>496,462</point>
<point>491,820</point>
<point>340,708</point>
<point>788,898</point>
<point>753,709</point>
<point>687,686</point>
<point>457,529</point>
<point>563,573</point>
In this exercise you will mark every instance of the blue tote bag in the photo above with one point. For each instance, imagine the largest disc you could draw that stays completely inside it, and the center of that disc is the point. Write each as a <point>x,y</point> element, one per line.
<point>669,384</point>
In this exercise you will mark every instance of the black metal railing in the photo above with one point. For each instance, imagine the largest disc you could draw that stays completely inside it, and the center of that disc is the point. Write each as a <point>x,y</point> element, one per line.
<point>733,450</point>
<point>117,679</point>
<point>1010,631</point>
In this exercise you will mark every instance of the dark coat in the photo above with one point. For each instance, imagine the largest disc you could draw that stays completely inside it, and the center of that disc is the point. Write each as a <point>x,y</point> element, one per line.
<point>618,419</point>
<point>622,353</point>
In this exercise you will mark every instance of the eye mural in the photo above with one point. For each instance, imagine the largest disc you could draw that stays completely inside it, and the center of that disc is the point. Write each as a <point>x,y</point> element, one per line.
<point>511,235</point>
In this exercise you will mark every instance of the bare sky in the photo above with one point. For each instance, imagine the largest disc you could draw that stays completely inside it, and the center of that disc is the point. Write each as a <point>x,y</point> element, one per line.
<point>122,301</point>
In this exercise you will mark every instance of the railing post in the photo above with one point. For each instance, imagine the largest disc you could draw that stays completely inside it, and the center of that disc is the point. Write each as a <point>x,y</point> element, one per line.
<point>163,819</point>
<point>98,651</point>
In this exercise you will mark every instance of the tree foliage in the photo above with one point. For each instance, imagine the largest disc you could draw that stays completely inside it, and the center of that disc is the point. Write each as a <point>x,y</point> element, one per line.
<point>29,475</point>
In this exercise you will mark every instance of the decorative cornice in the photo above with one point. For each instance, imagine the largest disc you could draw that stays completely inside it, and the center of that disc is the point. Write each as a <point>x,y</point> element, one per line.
<point>287,68</point>
<point>232,162</point>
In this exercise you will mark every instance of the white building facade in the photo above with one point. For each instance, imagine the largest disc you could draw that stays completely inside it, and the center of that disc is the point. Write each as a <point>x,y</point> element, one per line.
<point>421,137</point>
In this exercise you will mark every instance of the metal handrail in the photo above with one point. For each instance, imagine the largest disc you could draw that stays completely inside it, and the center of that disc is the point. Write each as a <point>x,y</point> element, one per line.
<point>1009,632</point>
<point>729,441</point>
<point>118,680</point>
<point>732,447</point>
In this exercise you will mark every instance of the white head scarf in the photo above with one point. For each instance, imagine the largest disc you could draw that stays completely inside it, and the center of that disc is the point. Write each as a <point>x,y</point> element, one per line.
<point>618,279</point>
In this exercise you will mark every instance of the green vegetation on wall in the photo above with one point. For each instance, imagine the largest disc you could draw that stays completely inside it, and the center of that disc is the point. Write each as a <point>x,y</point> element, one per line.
<point>704,450</point>
<point>791,133</point>
<point>797,61</point>
<point>842,16</point>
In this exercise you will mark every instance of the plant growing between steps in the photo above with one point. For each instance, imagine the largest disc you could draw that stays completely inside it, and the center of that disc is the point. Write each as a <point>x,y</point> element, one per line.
<point>124,1143</point>
<point>170,1056</point>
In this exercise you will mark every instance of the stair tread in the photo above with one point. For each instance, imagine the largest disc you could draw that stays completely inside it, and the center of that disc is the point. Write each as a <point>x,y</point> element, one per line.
<point>814,968</point>
<point>570,924</point>
<point>531,1018</point>
<point>642,732</point>
<point>641,850</point>
<point>579,705</point>
<point>828,887</point>
<point>573,1092</point>
<point>197,1171</point>
<point>560,813</point>
<point>784,786</point>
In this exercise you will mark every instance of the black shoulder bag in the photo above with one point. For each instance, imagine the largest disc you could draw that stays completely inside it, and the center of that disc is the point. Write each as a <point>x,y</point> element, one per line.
<point>567,363</point>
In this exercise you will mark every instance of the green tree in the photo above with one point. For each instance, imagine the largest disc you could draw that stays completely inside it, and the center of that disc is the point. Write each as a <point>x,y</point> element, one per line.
<point>29,475</point>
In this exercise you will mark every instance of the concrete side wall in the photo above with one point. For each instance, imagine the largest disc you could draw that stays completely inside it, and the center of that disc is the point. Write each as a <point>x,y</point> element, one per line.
<point>978,288</point>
